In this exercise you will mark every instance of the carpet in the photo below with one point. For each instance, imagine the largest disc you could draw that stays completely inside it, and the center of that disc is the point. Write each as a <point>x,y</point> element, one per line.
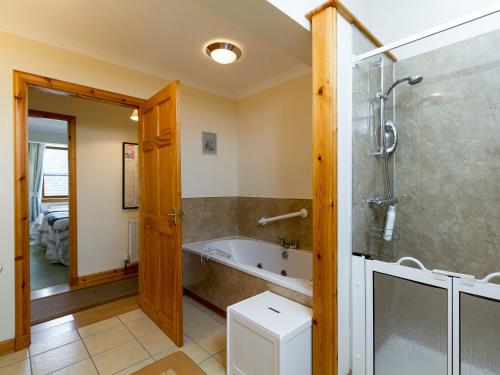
<point>43,273</point>
<point>58,305</point>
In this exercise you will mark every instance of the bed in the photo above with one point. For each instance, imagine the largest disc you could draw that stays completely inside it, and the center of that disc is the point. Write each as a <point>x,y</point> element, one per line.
<point>51,231</point>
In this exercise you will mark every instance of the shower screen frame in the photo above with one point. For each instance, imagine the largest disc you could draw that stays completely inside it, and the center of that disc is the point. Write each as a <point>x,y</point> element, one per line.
<point>480,289</point>
<point>421,276</point>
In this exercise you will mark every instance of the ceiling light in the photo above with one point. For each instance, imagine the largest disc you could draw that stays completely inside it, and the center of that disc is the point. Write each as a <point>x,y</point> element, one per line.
<point>135,115</point>
<point>223,52</point>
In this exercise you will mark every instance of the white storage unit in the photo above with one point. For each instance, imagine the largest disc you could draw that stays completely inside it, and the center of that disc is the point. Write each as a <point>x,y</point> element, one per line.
<point>269,335</point>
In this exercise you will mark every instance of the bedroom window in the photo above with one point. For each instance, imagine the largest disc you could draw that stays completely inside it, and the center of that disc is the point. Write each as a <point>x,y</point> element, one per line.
<point>55,173</point>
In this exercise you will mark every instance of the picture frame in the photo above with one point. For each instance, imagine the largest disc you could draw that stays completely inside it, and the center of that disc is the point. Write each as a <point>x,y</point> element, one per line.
<point>208,143</point>
<point>130,176</point>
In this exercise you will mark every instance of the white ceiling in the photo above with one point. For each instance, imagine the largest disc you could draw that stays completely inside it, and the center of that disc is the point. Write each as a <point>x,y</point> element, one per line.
<point>167,37</point>
<point>46,125</point>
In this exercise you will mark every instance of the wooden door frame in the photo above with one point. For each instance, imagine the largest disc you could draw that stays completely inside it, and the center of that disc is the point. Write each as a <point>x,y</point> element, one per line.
<point>73,246</point>
<point>22,81</point>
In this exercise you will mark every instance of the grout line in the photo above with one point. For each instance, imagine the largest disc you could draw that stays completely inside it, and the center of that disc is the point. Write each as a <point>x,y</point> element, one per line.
<point>88,352</point>
<point>56,347</point>
<point>62,368</point>
<point>139,342</point>
<point>29,360</point>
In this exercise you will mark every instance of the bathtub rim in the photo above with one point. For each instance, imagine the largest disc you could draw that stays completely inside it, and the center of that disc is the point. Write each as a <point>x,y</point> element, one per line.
<point>254,271</point>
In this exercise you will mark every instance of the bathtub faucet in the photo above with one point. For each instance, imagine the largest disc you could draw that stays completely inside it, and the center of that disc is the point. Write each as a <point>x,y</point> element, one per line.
<point>293,244</point>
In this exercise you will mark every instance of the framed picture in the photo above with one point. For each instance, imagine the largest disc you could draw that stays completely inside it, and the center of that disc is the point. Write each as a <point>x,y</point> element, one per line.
<point>130,175</point>
<point>209,143</point>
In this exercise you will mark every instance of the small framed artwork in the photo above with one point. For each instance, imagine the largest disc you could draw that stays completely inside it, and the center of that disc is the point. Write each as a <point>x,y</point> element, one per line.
<point>130,175</point>
<point>208,143</point>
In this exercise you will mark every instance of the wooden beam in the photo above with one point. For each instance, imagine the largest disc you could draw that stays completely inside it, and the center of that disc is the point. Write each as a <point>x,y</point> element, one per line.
<point>351,18</point>
<point>325,333</point>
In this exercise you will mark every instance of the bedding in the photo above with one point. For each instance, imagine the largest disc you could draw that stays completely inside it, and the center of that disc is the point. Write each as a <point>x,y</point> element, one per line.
<point>51,231</point>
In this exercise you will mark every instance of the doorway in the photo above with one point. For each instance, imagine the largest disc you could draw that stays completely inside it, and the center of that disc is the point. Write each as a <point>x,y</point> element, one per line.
<point>52,201</point>
<point>22,83</point>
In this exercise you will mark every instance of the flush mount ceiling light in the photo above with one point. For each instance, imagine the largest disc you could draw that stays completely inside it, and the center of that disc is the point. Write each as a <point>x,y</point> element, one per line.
<point>135,115</point>
<point>223,52</point>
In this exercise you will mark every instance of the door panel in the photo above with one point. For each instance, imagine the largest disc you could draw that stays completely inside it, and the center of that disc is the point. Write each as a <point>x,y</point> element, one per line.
<point>161,252</point>
<point>476,309</point>
<point>409,325</point>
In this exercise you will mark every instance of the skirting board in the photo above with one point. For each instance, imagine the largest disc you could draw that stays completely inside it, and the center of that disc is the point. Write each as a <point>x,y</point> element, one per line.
<point>107,276</point>
<point>205,303</point>
<point>7,346</point>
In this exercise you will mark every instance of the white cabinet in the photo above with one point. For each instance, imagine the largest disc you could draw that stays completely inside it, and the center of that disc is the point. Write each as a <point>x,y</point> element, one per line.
<point>269,335</point>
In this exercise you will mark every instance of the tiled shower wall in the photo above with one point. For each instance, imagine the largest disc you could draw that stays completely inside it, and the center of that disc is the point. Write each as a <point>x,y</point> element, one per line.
<point>448,163</point>
<point>209,218</point>
<point>446,170</point>
<point>367,177</point>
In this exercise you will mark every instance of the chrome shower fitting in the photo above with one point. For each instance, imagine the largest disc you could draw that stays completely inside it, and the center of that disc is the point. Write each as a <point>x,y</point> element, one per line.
<point>387,127</point>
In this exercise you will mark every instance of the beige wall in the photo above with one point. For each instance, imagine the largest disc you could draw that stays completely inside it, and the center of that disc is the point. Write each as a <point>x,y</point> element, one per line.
<point>208,175</point>
<point>100,130</point>
<point>264,140</point>
<point>275,141</point>
<point>25,55</point>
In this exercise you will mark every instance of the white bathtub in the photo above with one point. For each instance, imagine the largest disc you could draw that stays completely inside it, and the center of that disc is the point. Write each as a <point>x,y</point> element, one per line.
<point>247,255</point>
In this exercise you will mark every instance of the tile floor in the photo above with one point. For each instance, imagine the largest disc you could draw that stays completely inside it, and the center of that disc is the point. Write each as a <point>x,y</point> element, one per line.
<point>121,345</point>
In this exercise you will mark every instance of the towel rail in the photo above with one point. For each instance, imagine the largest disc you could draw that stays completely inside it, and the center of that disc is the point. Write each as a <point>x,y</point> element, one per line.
<point>301,213</point>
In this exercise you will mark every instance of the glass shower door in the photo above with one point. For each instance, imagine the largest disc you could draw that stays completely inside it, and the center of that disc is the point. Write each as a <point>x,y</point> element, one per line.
<point>476,327</point>
<point>409,329</point>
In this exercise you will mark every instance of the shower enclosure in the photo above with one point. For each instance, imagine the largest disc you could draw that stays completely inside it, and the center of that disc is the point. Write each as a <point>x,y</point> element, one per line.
<point>426,206</point>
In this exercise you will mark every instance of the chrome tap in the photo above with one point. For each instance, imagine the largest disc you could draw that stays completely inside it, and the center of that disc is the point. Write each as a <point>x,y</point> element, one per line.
<point>293,244</point>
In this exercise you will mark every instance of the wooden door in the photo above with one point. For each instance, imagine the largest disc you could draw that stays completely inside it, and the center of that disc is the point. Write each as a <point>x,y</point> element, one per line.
<point>161,250</point>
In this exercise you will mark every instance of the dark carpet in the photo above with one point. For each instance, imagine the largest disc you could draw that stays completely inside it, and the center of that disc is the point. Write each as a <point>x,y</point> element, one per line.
<point>52,307</point>
<point>43,273</point>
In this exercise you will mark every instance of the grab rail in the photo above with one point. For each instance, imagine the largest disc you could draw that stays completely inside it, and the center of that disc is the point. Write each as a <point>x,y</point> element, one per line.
<point>301,213</point>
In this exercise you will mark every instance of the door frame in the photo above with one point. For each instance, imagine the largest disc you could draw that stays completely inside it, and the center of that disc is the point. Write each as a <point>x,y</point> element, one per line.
<point>73,227</point>
<point>22,81</point>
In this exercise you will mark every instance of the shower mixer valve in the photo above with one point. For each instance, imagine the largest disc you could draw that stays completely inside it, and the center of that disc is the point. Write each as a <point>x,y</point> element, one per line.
<point>381,202</point>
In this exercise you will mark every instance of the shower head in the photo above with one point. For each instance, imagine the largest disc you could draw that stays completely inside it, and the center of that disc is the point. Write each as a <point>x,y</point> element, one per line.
<point>412,80</point>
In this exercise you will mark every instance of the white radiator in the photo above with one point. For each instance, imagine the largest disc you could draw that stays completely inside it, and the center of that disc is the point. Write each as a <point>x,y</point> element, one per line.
<point>133,240</point>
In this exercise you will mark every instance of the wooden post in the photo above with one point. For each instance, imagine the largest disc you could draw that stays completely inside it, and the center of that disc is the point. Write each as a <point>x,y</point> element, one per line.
<point>325,332</point>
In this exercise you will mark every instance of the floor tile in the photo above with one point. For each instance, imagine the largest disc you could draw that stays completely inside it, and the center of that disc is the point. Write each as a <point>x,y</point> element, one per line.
<point>212,367</point>
<point>213,341</point>
<point>119,358</point>
<point>108,339</point>
<point>17,368</point>
<point>198,322</point>
<point>221,357</point>
<point>53,342</point>
<point>192,350</point>
<point>52,323</point>
<point>58,358</point>
<point>140,327</point>
<point>43,334</point>
<point>98,327</point>
<point>136,367</point>
<point>10,358</point>
<point>85,367</point>
<point>156,342</point>
<point>132,315</point>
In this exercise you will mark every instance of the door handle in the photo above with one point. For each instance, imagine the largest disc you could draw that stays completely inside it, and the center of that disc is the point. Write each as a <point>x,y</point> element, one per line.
<point>175,214</point>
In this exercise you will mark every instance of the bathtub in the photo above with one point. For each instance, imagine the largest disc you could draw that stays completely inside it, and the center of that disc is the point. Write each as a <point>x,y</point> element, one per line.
<point>261,259</point>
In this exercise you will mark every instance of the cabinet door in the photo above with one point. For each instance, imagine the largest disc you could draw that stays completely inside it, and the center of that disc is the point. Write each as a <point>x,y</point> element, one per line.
<point>252,352</point>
